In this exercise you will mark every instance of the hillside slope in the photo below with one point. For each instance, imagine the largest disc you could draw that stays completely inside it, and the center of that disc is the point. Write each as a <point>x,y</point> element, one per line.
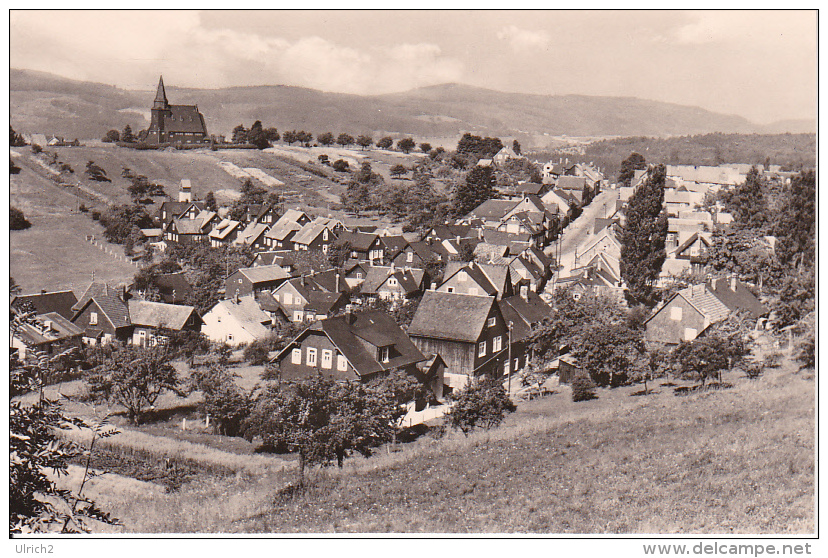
<point>50,104</point>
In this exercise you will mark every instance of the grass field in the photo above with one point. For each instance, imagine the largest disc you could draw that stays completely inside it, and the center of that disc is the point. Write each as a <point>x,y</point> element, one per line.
<point>737,460</point>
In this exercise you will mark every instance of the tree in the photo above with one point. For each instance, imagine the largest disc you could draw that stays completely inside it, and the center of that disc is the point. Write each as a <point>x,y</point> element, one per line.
<point>398,170</point>
<point>478,147</point>
<point>111,136</point>
<point>385,143</point>
<point>239,134</point>
<point>325,139</point>
<point>465,252</point>
<point>364,141</point>
<point>340,165</point>
<point>15,139</point>
<point>257,136</point>
<point>126,135</point>
<point>120,220</point>
<point>38,454</point>
<point>210,201</point>
<point>703,358</point>
<point>482,403</point>
<point>583,388</point>
<point>747,202</point>
<point>271,134</point>
<point>289,137</point>
<point>628,167</point>
<point>516,147</point>
<point>224,401</point>
<point>643,237</point>
<point>610,353</point>
<point>133,377</point>
<point>345,139</point>
<point>339,253</point>
<point>294,415</point>
<point>796,225</point>
<point>425,147</point>
<point>305,138</point>
<point>17,221</point>
<point>478,187</point>
<point>96,173</point>
<point>357,197</point>
<point>406,145</point>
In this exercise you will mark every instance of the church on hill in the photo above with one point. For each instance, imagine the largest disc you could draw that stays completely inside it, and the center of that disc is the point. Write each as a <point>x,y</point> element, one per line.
<point>175,123</point>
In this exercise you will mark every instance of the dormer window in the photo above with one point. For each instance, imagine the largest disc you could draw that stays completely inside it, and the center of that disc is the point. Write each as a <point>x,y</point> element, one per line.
<point>384,354</point>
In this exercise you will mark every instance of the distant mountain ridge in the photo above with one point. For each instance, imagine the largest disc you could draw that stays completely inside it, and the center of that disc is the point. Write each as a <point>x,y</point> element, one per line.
<point>42,102</point>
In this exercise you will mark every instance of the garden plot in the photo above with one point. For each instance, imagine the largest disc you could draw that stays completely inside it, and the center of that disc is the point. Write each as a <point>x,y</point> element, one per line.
<point>234,171</point>
<point>263,177</point>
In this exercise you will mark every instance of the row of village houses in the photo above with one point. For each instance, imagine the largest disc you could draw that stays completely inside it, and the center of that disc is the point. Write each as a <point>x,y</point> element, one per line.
<point>475,321</point>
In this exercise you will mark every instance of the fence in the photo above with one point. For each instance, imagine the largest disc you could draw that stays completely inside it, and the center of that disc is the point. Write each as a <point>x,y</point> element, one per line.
<point>107,250</point>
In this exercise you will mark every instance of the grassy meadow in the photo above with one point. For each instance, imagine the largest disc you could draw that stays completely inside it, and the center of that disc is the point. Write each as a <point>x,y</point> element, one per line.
<point>738,460</point>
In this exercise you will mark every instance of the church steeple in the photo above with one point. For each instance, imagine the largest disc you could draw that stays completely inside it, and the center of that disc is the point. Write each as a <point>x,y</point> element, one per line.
<point>160,96</point>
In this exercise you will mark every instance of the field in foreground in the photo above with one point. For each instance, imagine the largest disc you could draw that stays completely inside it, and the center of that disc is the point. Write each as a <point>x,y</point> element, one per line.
<point>739,460</point>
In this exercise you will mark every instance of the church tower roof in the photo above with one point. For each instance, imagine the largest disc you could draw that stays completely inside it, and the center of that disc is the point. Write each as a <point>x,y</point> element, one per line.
<point>160,95</point>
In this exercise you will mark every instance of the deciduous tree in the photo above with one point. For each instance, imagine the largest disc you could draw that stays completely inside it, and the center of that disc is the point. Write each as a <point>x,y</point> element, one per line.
<point>325,139</point>
<point>345,139</point>
<point>385,143</point>
<point>364,141</point>
<point>478,187</point>
<point>406,145</point>
<point>482,403</point>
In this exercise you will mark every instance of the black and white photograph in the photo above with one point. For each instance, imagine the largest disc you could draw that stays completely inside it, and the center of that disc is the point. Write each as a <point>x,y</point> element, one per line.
<point>413,274</point>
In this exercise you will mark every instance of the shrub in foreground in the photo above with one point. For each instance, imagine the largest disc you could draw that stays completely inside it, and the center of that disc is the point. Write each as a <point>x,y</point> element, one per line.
<point>483,403</point>
<point>583,388</point>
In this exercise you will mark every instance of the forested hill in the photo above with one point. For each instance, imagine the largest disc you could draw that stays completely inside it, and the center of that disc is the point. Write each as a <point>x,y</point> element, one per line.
<point>792,151</point>
<point>49,104</point>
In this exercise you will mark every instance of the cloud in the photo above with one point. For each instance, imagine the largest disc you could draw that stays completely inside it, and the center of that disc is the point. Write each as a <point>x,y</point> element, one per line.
<point>115,47</point>
<point>523,39</point>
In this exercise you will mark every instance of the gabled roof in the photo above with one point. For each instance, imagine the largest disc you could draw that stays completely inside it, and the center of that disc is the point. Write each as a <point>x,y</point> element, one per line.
<point>475,273</point>
<point>713,309</point>
<point>169,283</point>
<point>444,232</point>
<point>309,233</point>
<point>271,257</point>
<point>282,232</point>
<point>529,188</point>
<point>109,300</point>
<point>186,226</point>
<point>523,313</point>
<point>701,235</point>
<point>394,244</point>
<point>184,118</point>
<point>424,250</point>
<point>323,302</point>
<point>487,251</point>
<point>515,242</point>
<point>43,303</point>
<point>360,242</point>
<point>264,273</point>
<point>545,261</point>
<point>571,183</point>
<point>451,316</point>
<point>492,210</point>
<point>224,228</point>
<point>326,280</point>
<point>739,299</point>
<point>291,216</point>
<point>159,314</point>
<point>350,333</point>
<point>410,280</point>
<point>252,233</point>
<point>248,313</point>
<point>37,333</point>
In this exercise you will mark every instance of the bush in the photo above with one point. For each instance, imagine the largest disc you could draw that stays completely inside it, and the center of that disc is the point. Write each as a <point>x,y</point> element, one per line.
<point>36,149</point>
<point>483,403</point>
<point>341,165</point>
<point>807,352</point>
<point>96,215</point>
<point>256,353</point>
<point>82,208</point>
<point>754,371</point>
<point>583,388</point>
<point>17,221</point>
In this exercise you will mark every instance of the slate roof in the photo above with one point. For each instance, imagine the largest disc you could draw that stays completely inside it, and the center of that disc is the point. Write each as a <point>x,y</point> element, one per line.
<point>492,210</point>
<point>740,299</point>
<point>475,274</point>
<point>264,273</point>
<point>323,302</point>
<point>394,244</point>
<point>546,261</point>
<point>187,226</point>
<point>374,328</point>
<point>523,313</point>
<point>515,242</point>
<point>110,301</point>
<point>529,188</point>
<point>360,242</point>
<point>184,118</point>
<point>224,228</point>
<point>326,280</point>
<point>409,279</point>
<point>291,216</point>
<point>159,314</point>
<point>704,236</point>
<point>33,334</point>
<point>282,232</point>
<point>308,233</point>
<point>270,257</point>
<point>489,251</point>
<point>251,233</point>
<point>451,316</point>
<point>444,232</point>
<point>44,303</point>
<point>571,183</point>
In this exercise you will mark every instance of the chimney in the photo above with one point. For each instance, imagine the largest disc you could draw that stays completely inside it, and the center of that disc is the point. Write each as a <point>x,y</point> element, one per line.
<point>236,297</point>
<point>524,292</point>
<point>392,270</point>
<point>733,283</point>
<point>337,282</point>
<point>47,325</point>
<point>714,282</point>
<point>42,291</point>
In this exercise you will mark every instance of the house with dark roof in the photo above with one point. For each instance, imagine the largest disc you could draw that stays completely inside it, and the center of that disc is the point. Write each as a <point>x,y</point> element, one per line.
<point>689,312</point>
<point>693,249</point>
<point>354,346</point>
<point>304,300</point>
<point>173,287</point>
<point>186,209</point>
<point>467,331</point>
<point>44,302</point>
<point>418,254</point>
<point>392,283</point>
<point>521,312</point>
<point>250,280</point>
<point>364,246</point>
<point>152,321</point>
<point>272,257</point>
<point>392,245</point>
<point>355,272</point>
<point>516,242</point>
<point>477,279</point>
<point>174,123</point>
<point>446,232</point>
<point>102,313</point>
<point>49,333</point>
<point>192,227</point>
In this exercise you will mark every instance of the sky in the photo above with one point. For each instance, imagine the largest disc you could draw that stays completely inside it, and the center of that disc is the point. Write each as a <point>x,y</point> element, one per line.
<point>761,65</point>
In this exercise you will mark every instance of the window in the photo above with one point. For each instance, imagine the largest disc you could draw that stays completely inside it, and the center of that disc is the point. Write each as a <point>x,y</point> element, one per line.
<point>481,349</point>
<point>450,289</point>
<point>409,257</point>
<point>325,234</point>
<point>392,282</point>
<point>496,344</point>
<point>473,291</point>
<point>288,298</point>
<point>359,275</point>
<point>506,368</point>
<point>297,316</point>
<point>492,321</point>
<point>462,276</point>
<point>311,359</point>
<point>93,318</point>
<point>690,333</point>
<point>384,354</point>
<point>296,356</point>
<point>341,363</point>
<point>675,313</point>
<point>327,359</point>
<point>229,336</point>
